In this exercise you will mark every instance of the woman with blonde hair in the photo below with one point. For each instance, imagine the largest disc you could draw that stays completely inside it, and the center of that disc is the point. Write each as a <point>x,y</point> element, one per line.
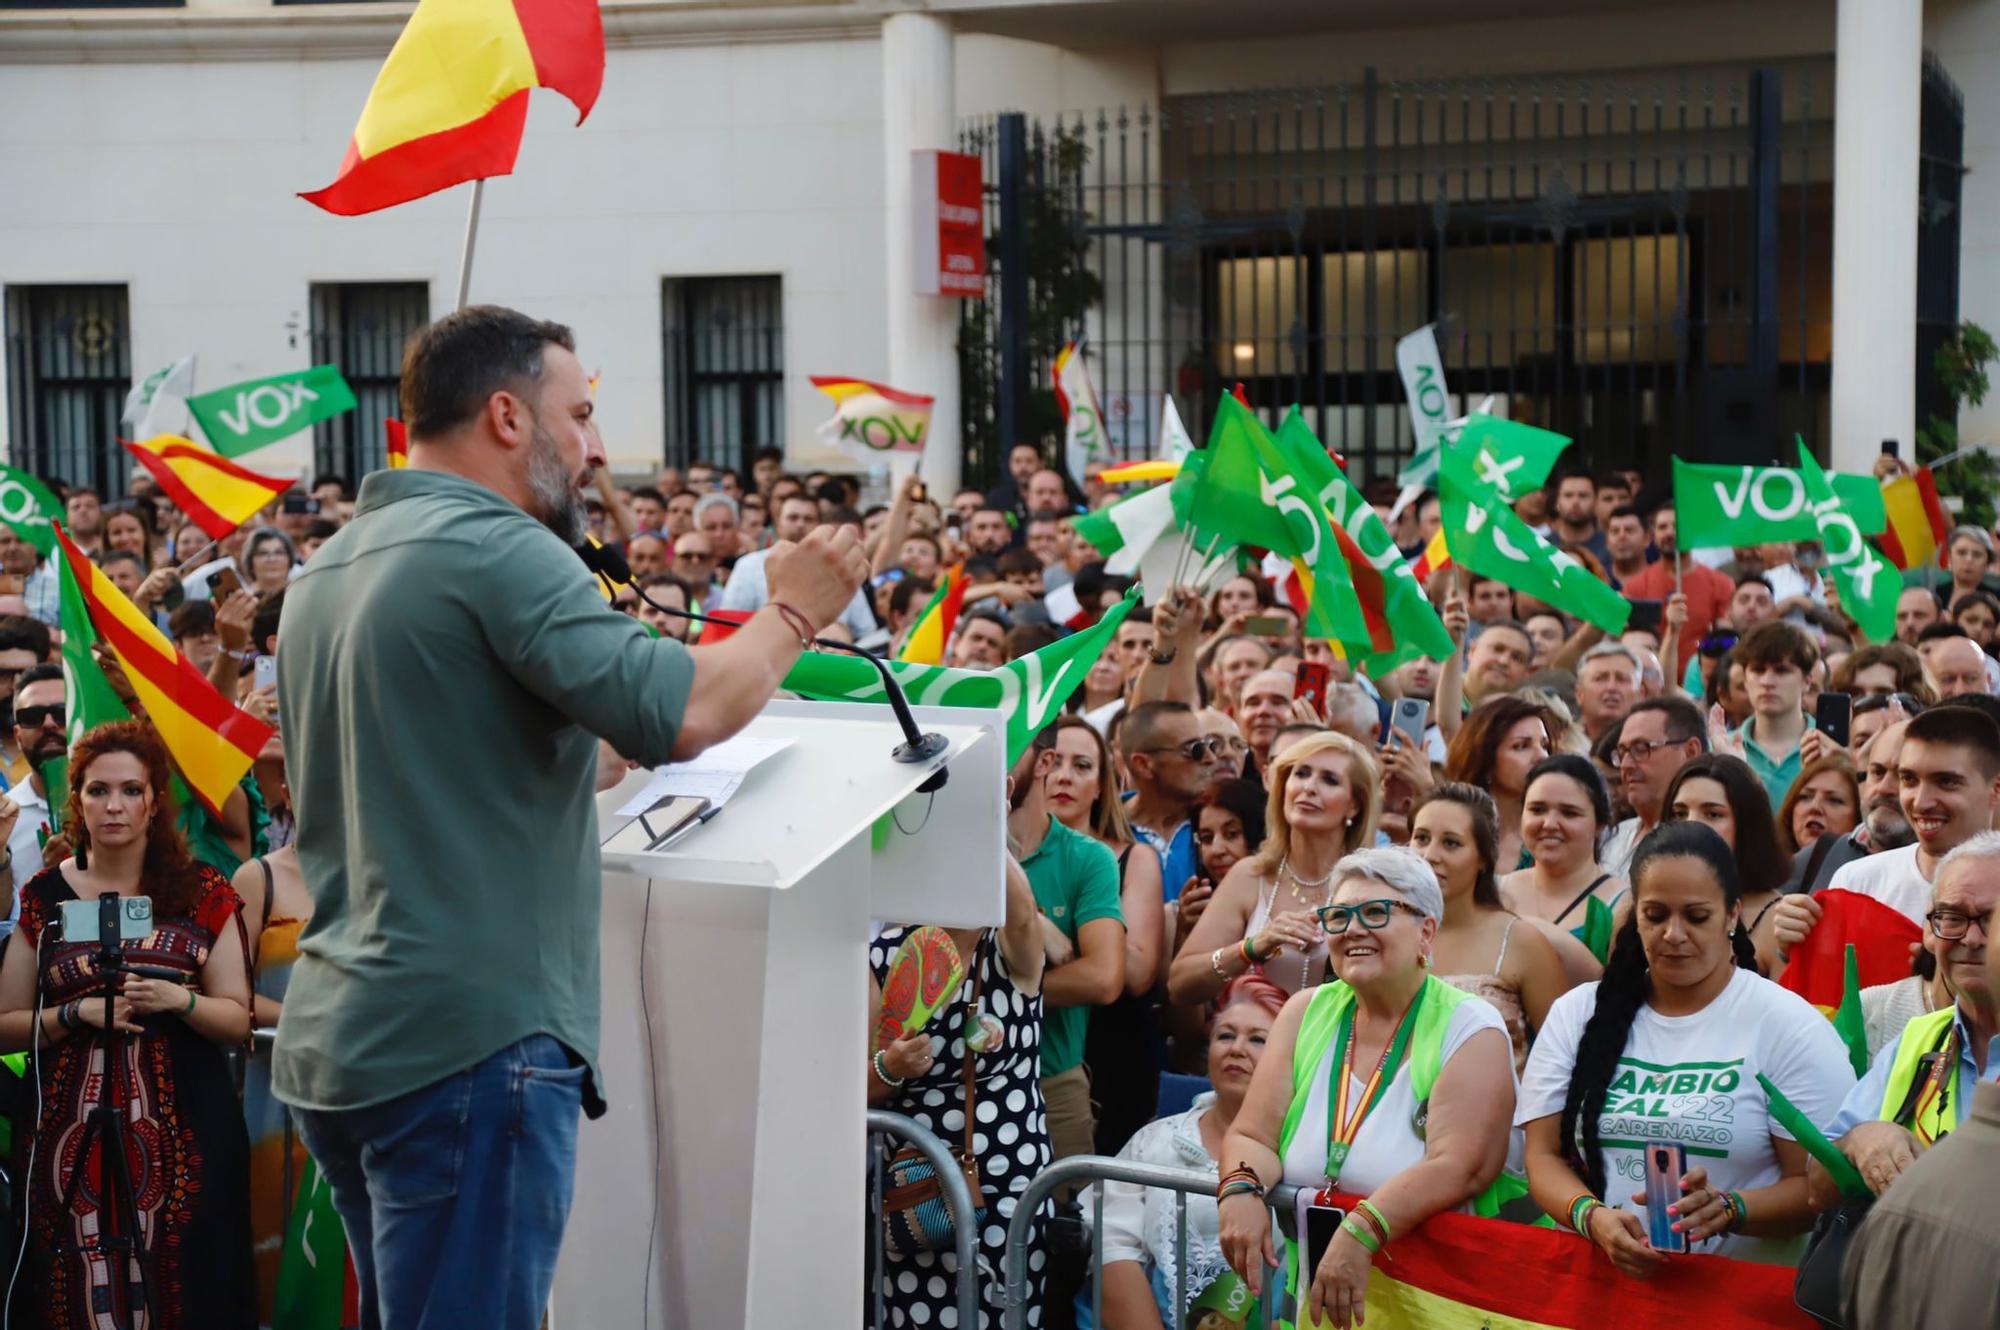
<point>1324,802</point>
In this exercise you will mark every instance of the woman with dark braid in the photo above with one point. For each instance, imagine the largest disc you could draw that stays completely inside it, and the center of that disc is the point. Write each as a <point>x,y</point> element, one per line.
<point>1666,1048</point>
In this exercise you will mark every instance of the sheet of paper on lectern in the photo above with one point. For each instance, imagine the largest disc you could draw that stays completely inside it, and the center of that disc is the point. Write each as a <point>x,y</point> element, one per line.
<point>714,776</point>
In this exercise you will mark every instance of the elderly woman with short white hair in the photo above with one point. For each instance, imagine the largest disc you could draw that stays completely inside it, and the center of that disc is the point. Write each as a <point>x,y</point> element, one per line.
<point>1385,1083</point>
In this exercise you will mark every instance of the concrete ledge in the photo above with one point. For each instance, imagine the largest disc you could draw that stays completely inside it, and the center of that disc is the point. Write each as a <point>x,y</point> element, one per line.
<point>345,31</point>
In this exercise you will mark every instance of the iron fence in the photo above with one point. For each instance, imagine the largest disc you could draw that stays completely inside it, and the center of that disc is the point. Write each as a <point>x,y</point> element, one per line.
<point>69,365</point>
<point>1640,261</point>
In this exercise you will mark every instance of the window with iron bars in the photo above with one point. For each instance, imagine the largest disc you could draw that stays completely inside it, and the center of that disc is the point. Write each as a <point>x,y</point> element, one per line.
<point>723,345</point>
<point>68,368</point>
<point>362,327</point>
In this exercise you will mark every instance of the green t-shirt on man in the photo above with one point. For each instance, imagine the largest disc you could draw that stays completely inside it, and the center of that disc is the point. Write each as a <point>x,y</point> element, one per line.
<point>1075,881</point>
<point>448,666</point>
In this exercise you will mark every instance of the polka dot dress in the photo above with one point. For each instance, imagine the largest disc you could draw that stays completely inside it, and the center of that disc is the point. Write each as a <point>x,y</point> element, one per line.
<point>1010,1138</point>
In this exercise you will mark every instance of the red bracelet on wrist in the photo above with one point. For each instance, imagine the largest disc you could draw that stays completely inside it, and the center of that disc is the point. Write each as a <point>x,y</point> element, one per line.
<point>797,622</point>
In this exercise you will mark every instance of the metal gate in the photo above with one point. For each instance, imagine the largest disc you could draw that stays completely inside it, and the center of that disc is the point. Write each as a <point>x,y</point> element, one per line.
<point>1640,261</point>
<point>68,368</point>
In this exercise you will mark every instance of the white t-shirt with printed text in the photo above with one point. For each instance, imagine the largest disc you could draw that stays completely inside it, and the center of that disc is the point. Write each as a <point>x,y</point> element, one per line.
<point>1693,1080</point>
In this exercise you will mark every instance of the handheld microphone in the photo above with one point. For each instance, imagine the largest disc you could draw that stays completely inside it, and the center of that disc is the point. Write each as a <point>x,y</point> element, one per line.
<point>917,746</point>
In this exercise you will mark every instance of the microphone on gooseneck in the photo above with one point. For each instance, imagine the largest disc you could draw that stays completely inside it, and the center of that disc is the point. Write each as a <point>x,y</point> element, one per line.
<point>917,746</point>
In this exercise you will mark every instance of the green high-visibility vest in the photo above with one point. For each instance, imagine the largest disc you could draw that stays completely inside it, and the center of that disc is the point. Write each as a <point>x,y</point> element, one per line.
<point>1933,1120</point>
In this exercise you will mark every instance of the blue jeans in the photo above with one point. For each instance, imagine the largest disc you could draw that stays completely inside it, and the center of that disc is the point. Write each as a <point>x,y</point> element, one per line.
<point>454,1196</point>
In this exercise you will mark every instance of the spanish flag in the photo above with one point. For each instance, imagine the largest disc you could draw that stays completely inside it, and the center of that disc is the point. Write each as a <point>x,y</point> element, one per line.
<point>216,494</point>
<point>398,440</point>
<point>212,741</point>
<point>928,635</point>
<point>1917,526</point>
<point>1132,473</point>
<point>1436,555</point>
<point>1460,1272</point>
<point>452,98</point>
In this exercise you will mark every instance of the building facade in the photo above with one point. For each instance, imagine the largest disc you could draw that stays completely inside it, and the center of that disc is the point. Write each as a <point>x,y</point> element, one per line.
<point>1657,227</point>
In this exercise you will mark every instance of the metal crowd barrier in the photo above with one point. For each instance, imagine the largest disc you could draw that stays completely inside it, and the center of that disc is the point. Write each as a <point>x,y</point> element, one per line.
<point>957,1202</point>
<point>1184,1182</point>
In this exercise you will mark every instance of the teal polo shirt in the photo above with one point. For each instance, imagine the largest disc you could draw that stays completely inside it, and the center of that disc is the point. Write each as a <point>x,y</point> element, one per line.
<point>1776,776</point>
<point>1075,881</point>
<point>448,668</point>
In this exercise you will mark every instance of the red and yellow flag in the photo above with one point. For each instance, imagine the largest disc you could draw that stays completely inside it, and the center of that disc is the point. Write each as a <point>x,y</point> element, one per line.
<point>1458,1272</point>
<point>1133,473</point>
<point>1436,555</point>
<point>398,440</point>
<point>216,494</point>
<point>213,742</point>
<point>1917,526</point>
<point>928,635</point>
<point>452,98</point>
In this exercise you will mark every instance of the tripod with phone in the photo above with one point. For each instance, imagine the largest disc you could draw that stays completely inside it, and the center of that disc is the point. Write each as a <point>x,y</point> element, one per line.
<point>119,1239</point>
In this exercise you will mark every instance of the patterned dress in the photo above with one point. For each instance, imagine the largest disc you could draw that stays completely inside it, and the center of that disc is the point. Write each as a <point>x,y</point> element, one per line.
<point>189,1154</point>
<point>1010,1137</point>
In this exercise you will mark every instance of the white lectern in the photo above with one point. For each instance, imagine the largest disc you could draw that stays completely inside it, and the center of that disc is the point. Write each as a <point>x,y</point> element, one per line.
<point>725,1186</point>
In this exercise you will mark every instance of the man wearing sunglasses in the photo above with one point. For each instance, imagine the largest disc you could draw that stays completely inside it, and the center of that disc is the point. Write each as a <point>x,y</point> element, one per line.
<point>1170,763</point>
<point>41,728</point>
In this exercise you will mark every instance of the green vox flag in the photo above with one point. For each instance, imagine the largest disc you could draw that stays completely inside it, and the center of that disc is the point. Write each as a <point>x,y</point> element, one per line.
<point>1511,457</point>
<point>1848,1021</point>
<point>1030,690</point>
<point>1868,583</point>
<point>247,416</point>
<point>1247,492</point>
<point>1487,538</point>
<point>27,505</point>
<point>1787,1115</point>
<point>312,1268</point>
<point>1716,506</point>
<point>1413,625</point>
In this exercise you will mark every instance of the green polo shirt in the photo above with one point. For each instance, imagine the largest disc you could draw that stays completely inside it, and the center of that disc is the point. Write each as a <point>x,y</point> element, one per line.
<point>1776,776</point>
<point>1075,880</point>
<point>447,668</point>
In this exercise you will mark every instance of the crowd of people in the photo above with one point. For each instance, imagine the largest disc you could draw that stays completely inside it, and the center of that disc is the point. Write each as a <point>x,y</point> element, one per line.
<point>1550,911</point>
<point>1553,918</point>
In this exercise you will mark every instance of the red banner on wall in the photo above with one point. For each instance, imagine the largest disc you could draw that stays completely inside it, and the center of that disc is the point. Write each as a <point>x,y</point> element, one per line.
<point>949,237</point>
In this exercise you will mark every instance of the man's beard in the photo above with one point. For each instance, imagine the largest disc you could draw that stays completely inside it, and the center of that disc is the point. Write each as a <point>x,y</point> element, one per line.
<point>555,490</point>
<point>1888,829</point>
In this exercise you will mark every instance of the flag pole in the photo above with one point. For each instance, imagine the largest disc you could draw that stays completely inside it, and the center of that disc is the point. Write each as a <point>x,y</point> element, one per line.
<point>471,235</point>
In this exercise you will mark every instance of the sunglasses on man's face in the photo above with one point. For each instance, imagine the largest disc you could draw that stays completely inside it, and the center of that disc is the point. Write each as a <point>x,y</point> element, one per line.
<point>1194,750</point>
<point>32,718</point>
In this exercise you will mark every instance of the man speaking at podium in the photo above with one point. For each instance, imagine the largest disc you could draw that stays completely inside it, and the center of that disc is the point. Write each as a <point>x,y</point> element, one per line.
<point>448,669</point>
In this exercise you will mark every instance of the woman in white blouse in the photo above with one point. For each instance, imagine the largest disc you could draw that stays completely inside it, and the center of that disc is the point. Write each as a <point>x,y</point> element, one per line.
<point>1140,1275</point>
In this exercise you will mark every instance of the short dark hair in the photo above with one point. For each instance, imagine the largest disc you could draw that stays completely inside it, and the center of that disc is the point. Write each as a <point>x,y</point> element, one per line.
<point>1574,473</point>
<point>927,538</point>
<point>1627,510</point>
<point>906,592</point>
<point>332,478</point>
<point>110,557</point>
<point>1684,719</point>
<point>192,619</point>
<point>982,616</point>
<point>41,673</point>
<point>18,632</point>
<point>768,454</point>
<point>1939,629</point>
<point>1019,561</point>
<point>1613,480</point>
<point>264,623</point>
<point>649,493</point>
<point>1754,579</point>
<point>452,366</point>
<point>320,529</point>
<point>1024,639</point>
<point>1776,643</point>
<point>1964,726</point>
<point>1141,727</point>
<point>843,517</point>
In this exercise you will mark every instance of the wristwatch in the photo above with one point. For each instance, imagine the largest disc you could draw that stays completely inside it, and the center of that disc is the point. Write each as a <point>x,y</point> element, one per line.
<point>1167,659</point>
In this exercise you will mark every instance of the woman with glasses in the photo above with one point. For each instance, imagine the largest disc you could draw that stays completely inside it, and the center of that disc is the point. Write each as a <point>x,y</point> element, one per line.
<point>1722,793</point>
<point>1387,1083</point>
<point>1324,799</point>
<point>1680,1005</point>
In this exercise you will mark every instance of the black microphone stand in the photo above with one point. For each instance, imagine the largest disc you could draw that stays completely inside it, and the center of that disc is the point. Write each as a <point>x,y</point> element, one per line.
<point>917,746</point>
<point>105,1125</point>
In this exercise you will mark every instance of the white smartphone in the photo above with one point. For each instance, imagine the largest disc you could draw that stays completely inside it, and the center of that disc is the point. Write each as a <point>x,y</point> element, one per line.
<point>81,919</point>
<point>264,672</point>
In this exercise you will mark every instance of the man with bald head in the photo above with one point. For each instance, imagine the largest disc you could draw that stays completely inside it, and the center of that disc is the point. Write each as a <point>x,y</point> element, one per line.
<point>1956,666</point>
<point>647,554</point>
<point>1047,494</point>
